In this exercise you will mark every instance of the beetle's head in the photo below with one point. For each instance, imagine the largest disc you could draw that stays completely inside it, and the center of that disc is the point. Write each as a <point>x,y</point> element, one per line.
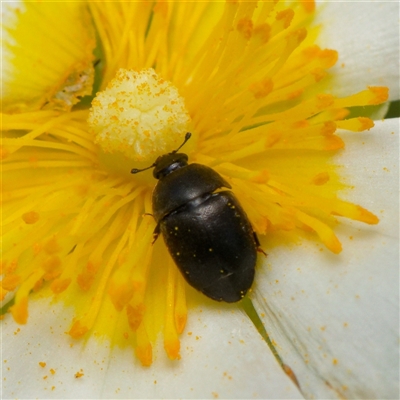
<point>167,163</point>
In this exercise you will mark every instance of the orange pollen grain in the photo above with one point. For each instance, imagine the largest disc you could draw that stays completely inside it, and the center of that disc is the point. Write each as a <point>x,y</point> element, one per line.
<point>59,285</point>
<point>366,216</point>
<point>318,74</point>
<point>262,88</point>
<point>79,374</point>
<point>380,94</point>
<point>329,56</point>
<point>30,217</point>
<point>329,128</point>
<point>145,354</point>
<point>324,101</point>
<point>52,246</point>
<point>286,16</point>
<point>85,280</point>
<point>245,27</point>
<point>135,315</point>
<point>320,179</point>
<point>308,5</point>
<point>121,294</point>
<point>180,322</point>
<point>10,282</point>
<point>172,347</point>
<point>366,123</point>
<point>77,330</point>
<point>263,31</point>
<point>51,263</point>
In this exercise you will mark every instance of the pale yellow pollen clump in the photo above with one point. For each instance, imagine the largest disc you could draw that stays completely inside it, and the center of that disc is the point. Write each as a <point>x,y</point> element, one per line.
<point>139,114</point>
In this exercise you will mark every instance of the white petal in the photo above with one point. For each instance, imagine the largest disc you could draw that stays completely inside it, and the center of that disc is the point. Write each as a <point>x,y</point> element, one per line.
<point>223,357</point>
<point>366,35</point>
<point>335,318</point>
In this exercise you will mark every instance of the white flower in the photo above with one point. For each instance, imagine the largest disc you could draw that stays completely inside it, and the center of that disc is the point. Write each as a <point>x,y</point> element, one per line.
<point>332,318</point>
<point>335,319</point>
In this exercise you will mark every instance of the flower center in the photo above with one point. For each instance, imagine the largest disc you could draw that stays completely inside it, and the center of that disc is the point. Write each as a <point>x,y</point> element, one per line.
<point>253,83</point>
<point>139,115</point>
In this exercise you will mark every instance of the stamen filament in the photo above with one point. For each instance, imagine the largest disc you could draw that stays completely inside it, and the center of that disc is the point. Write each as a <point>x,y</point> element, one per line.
<point>46,164</point>
<point>85,323</point>
<point>144,351</point>
<point>171,340</point>
<point>180,311</point>
<point>245,77</point>
<point>51,145</point>
<point>20,308</point>
<point>323,231</point>
<point>356,124</point>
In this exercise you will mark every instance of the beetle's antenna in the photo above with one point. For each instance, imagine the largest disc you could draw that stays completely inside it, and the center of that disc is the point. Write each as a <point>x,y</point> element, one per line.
<point>136,170</point>
<point>187,137</point>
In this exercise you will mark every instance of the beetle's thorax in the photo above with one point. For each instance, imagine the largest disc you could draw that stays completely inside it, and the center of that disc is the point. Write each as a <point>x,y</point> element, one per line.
<point>168,163</point>
<point>183,185</point>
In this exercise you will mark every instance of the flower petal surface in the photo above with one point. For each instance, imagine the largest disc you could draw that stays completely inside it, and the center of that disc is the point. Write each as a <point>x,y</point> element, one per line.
<point>366,35</point>
<point>335,318</point>
<point>223,358</point>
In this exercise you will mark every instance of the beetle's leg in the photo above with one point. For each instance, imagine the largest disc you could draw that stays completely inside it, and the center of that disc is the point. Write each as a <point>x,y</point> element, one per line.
<point>259,249</point>
<point>156,233</point>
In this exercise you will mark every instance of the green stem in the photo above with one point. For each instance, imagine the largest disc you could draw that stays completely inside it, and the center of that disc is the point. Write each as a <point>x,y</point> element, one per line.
<point>251,312</point>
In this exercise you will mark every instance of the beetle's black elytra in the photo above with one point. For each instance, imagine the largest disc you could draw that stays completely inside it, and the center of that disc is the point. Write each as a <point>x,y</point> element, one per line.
<point>207,233</point>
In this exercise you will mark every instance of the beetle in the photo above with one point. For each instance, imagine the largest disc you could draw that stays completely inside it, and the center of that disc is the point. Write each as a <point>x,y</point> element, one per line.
<point>206,231</point>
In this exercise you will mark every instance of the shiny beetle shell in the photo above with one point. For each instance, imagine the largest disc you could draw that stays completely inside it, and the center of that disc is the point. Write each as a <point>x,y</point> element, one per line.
<point>206,231</point>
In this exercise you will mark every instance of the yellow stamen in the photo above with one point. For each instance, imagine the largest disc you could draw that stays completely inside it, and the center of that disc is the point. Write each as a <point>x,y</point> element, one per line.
<point>180,304</point>
<point>78,330</point>
<point>249,77</point>
<point>20,310</point>
<point>10,282</point>
<point>143,349</point>
<point>60,65</point>
<point>323,231</point>
<point>356,124</point>
<point>171,340</point>
<point>374,95</point>
<point>59,285</point>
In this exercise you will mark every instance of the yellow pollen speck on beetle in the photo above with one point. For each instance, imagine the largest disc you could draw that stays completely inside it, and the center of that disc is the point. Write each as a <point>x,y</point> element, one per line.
<point>248,81</point>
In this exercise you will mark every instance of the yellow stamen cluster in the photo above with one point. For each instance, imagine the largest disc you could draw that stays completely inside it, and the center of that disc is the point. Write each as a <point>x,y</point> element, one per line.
<point>45,62</point>
<point>252,79</point>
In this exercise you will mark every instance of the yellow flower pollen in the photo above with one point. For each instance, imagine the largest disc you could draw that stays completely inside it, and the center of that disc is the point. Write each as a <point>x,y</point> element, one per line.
<point>139,114</point>
<point>252,80</point>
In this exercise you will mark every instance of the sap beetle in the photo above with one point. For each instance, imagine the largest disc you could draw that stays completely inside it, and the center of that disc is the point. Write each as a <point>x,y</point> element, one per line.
<point>207,232</point>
